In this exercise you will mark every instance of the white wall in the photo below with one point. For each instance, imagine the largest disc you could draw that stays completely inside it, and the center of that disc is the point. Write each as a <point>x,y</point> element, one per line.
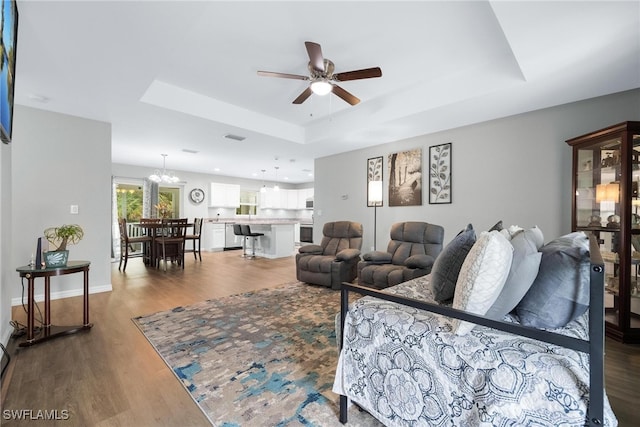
<point>59,161</point>
<point>7,274</point>
<point>516,169</point>
<point>191,180</point>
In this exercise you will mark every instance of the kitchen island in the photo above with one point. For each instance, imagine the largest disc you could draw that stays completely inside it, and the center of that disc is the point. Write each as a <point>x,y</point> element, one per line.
<point>278,240</point>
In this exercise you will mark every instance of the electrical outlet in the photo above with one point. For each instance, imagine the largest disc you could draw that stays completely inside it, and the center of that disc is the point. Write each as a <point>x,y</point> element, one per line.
<point>74,209</point>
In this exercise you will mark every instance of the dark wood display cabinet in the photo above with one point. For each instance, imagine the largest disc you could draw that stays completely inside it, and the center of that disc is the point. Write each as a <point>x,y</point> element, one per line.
<point>606,178</point>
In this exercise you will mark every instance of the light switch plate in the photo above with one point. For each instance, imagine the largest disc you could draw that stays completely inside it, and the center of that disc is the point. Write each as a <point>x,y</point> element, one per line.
<point>74,209</point>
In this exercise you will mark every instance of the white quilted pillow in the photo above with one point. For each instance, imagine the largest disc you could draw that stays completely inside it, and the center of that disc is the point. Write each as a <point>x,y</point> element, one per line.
<point>482,277</point>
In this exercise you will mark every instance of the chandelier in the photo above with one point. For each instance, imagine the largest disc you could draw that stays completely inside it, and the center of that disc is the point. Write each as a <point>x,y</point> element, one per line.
<point>164,176</point>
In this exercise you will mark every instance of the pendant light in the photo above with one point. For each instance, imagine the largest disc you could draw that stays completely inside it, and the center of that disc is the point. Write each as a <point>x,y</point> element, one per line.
<point>276,187</point>
<point>164,176</point>
<point>264,187</point>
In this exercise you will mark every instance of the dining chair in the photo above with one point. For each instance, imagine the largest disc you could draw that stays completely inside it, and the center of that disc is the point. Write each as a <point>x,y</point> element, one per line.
<point>126,243</point>
<point>151,227</point>
<point>170,242</point>
<point>195,238</point>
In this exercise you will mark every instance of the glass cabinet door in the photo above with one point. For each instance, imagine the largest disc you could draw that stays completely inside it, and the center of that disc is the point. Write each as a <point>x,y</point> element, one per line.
<point>606,179</point>
<point>598,208</point>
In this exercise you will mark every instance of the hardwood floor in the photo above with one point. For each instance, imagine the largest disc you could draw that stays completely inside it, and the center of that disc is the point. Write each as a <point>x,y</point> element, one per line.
<point>111,376</point>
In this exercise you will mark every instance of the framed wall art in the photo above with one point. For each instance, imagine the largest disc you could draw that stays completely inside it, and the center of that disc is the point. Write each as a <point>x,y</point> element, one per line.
<point>405,178</point>
<point>440,173</point>
<point>374,181</point>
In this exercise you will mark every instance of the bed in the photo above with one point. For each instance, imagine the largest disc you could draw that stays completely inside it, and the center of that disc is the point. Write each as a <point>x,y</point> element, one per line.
<point>403,360</point>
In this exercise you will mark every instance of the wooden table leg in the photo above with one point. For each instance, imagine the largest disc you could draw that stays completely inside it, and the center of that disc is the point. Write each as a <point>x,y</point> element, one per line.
<point>85,313</point>
<point>30,314</point>
<point>47,302</point>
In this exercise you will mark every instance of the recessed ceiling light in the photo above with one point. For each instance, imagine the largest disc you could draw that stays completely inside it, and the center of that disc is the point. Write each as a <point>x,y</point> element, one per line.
<point>235,137</point>
<point>38,98</point>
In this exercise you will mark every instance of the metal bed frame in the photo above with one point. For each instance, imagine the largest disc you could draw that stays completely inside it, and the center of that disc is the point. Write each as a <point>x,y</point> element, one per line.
<point>594,346</point>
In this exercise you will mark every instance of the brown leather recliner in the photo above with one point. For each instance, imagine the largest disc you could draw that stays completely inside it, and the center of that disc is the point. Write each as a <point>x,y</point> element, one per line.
<point>411,252</point>
<point>335,259</point>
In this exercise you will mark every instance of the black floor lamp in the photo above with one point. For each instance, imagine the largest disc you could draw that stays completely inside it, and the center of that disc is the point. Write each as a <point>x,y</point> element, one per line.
<point>375,199</point>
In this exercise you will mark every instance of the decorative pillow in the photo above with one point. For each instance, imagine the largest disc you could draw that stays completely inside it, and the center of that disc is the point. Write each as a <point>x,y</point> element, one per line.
<point>560,292</point>
<point>497,226</point>
<point>511,231</point>
<point>524,269</point>
<point>448,263</point>
<point>482,277</point>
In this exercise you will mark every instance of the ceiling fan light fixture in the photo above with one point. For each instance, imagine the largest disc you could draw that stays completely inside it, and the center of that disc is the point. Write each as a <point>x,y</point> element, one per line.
<point>321,87</point>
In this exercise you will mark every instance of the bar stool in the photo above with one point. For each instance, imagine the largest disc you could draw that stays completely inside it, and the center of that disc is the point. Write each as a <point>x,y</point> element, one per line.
<point>246,230</point>
<point>238,231</point>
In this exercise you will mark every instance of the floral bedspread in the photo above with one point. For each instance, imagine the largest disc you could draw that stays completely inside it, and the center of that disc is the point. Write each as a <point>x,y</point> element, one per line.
<point>406,368</point>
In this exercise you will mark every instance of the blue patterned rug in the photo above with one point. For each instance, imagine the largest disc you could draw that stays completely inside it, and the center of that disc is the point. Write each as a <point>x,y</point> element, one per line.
<point>264,358</point>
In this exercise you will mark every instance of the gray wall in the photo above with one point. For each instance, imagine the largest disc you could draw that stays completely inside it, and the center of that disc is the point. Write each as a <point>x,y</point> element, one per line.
<point>56,161</point>
<point>516,169</point>
<point>7,274</point>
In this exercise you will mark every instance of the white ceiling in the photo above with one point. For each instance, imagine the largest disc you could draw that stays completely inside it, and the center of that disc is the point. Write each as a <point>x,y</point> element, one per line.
<point>176,75</point>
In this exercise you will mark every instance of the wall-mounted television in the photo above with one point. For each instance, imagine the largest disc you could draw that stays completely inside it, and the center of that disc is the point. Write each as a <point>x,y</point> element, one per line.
<point>8,37</point>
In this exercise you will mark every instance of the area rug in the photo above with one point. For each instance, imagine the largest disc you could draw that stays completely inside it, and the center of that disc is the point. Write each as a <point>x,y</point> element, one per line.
<point>264,358</point>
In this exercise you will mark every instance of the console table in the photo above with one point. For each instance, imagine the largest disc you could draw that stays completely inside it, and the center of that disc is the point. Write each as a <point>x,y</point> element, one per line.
<point>50,331</point>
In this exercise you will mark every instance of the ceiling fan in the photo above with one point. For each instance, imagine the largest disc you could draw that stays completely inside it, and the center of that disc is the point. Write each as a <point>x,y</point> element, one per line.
<point>322,78</point>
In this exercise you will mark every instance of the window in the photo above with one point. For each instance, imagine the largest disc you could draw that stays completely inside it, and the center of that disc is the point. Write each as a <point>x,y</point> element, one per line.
<point>169,200</point>
<point>248,202</point>
<point>129,199</point>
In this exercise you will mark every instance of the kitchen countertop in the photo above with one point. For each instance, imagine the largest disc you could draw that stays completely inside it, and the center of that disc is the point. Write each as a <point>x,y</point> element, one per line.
<point>262,221</point>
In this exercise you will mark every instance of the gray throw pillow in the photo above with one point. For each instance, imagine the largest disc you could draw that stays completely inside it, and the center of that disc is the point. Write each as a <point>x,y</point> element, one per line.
<point>447,265</point>
<point>524,270</point>
<point>560,292</point>
<point>497,226</point>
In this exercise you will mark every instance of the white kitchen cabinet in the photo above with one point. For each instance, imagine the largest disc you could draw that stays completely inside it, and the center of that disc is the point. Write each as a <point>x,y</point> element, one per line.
<point>303,195</point>
<point>285,198</point>
<point>292,199</point>
<point>218,231</point>
<point>224,195</point>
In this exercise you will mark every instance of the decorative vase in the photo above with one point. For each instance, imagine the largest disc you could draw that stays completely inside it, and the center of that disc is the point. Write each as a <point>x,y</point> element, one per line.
<point>56,259</point>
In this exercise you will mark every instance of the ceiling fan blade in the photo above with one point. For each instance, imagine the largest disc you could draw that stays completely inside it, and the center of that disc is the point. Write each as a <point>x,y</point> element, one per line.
<point>366,73</point>
<point>303,96</point>
<point>345,95</point>
<point>315,56</point>
<point>282,75</point>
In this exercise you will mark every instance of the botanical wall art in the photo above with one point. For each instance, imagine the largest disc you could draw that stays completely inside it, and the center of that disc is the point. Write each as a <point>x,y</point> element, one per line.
<point>440,173</point>
<point>374,175</point>
<point>405,178</point>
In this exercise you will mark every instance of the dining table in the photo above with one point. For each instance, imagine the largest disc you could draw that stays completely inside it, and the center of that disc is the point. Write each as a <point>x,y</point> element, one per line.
<point>154,228</point>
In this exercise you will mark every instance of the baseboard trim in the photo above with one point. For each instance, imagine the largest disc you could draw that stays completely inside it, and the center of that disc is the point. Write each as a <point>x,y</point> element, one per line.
<point>65,294</point>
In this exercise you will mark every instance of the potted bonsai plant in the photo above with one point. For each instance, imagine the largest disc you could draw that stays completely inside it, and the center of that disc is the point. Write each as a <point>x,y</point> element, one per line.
<point>60,237</point>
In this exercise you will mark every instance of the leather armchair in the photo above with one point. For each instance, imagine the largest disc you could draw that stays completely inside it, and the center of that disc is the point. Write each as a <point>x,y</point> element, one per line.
<point>411,253</point>
<point>335,259</point>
